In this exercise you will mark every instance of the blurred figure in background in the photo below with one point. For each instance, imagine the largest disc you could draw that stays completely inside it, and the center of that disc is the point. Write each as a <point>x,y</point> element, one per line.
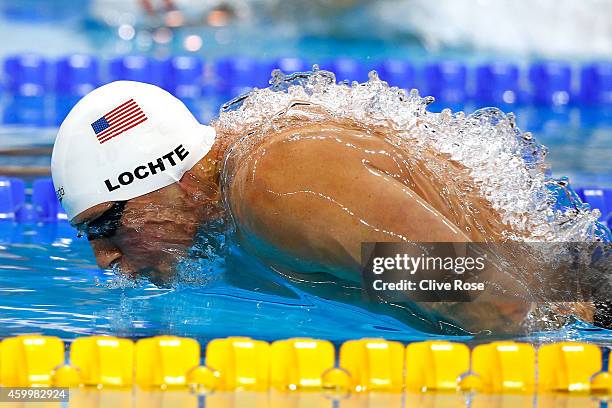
<point>543,27</point>
<point>546,28</point>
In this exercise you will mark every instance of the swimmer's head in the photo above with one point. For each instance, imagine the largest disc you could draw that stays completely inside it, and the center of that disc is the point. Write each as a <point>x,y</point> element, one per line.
<point>121,141</point>
<point>128,169</point>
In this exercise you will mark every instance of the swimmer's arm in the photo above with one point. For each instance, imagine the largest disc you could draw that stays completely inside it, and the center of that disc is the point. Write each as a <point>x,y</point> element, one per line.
<point>318,199</point>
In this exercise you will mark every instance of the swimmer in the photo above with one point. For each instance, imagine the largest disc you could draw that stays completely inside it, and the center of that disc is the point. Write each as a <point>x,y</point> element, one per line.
<point>301,189</point>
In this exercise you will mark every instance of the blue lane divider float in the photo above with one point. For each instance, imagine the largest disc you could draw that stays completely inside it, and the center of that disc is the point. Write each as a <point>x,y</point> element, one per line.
<point>44,206</point>
<point>31,215</point>
<point>446,81</point>
<point>75,76</point>
<point>12,196</point>
<point>497,84</point>
<point>290,64</point>
<point>551,83</point>
<point>596,83</point>
<point>135,68</point>
<point>184,77</point>
<point>600,198</point>
<point>41,92</point>
<point>348,69</point>
<point>233,76</point>
<point>400,73</point>
<point>26,74</point>
<point>26,79</point>
<point>44,200</point>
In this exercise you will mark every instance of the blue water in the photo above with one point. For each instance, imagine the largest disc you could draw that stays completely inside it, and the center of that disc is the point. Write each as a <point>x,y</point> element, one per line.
<point>49,284</point>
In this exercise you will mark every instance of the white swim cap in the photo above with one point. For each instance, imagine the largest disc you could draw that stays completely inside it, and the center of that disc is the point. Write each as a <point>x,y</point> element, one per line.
<point>121,141</point>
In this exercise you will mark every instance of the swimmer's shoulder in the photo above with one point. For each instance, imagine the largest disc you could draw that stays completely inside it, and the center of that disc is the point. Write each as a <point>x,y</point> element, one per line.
<point>308,154</point>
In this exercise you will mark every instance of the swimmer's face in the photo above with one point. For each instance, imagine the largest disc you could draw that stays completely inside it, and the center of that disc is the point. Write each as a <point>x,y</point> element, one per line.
<point>153,231</point>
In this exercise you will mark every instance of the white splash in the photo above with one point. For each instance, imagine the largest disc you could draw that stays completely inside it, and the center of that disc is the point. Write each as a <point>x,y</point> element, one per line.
<point>507,164</point>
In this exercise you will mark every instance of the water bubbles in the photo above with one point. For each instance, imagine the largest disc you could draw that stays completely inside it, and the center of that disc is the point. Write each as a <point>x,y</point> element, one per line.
<point>490,116</point>
<point>446,114</point>
<point>428,100</point>
<point>511,119</point>
<point>506,164</point>
<point>277,78</point>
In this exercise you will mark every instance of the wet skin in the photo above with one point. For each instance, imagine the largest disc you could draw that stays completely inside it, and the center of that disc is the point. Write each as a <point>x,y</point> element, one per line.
<point>313,192</point>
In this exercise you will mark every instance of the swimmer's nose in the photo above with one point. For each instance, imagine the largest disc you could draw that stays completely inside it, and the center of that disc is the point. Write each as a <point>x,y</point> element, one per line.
<point>105,252</point>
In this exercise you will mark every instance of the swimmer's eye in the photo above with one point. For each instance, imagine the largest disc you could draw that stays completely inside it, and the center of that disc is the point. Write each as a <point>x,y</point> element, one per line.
<point>105,226</point>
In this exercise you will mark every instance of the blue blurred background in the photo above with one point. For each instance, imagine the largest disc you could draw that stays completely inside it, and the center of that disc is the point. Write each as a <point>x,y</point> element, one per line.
<point>547,61</point>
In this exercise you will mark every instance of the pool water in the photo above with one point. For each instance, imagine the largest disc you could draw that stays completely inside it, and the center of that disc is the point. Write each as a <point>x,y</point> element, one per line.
<point>52,286</point>
<point>49,284</point>
<point>578,141</point>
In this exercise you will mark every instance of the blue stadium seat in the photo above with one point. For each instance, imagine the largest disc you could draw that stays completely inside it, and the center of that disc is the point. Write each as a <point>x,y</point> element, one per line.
<point>497,83</point>
<point>551,83</point>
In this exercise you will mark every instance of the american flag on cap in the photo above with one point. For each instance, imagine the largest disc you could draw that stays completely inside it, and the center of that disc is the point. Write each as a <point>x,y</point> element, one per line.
<point>122,118</point>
